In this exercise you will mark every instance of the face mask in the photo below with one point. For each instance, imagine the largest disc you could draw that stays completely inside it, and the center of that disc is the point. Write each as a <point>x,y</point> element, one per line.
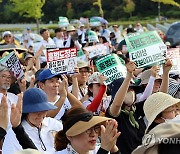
<point>129,98</point>
<point>174,120</point>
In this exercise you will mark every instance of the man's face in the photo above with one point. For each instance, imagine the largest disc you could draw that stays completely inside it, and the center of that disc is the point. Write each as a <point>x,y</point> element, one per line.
<point>46,35</point>
<point>5,80</point>
<point>51,86</point>
<point>60,34</point>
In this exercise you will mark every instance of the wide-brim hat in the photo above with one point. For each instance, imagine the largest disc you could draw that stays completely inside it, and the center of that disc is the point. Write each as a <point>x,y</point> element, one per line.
<point>35,100</point>
<point>146,75</point>
<point>155,104</point>
<point>28,151</point>
<point>81,64</point>
<point>70,28</point>
<point>82,126</point>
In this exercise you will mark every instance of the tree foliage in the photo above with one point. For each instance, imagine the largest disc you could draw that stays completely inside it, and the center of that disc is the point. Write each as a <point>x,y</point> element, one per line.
<point>99,4</point>
<point>171,2</point>
<point>129,6</point>
<point>29,8</point>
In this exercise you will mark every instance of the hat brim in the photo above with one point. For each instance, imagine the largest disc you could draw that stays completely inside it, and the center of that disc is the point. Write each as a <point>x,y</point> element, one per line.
<point>51,76</point>
<point>38,107</point>
<point>82,126</point>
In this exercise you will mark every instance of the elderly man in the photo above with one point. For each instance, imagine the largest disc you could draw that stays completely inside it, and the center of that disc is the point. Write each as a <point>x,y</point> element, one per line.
<point>5,82</point>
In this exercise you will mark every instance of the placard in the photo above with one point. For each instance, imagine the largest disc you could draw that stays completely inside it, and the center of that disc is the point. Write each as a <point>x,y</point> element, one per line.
<point>97,50</point>
<point>112,67</point>
<point>62,60</point>
<point>63,22</point>
<point>174,55</point>
<point>146,49</point>
<point>12,62</point>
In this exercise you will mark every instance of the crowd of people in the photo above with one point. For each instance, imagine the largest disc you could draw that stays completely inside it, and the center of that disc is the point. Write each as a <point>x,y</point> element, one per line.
<point>48,112</point>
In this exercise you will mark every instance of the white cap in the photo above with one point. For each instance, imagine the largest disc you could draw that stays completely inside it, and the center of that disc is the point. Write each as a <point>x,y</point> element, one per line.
<point>6,33</point>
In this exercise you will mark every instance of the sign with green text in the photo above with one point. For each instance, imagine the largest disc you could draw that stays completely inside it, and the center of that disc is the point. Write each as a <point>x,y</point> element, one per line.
<point>111,66</point>
<point>146,49</point>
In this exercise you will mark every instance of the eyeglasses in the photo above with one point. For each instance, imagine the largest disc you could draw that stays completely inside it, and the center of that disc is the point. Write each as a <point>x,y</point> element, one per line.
<point>96,128</point>
<point>84,71</point>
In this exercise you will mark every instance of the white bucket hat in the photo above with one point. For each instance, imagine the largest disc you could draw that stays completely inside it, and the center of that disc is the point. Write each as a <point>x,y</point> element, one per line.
<point>94,78</point>
<point>155,104</point>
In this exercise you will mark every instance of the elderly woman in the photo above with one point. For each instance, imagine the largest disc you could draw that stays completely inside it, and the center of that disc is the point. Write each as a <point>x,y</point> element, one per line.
<point>35,123</point>
<point>81,130</point>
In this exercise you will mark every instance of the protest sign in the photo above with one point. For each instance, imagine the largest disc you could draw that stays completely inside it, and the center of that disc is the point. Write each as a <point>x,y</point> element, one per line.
<point>94,22</point>
<point>84,21</point>
<point>81,56</point>
<point>174,55</point>
<point>12,62</point>
<point>111,66</point>
<point>62,60</point>
<point>63,22</point>
<point>146,49</point>
<point>97,50</point>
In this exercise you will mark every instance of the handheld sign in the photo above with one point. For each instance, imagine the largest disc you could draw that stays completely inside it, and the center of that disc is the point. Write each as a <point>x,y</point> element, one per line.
<point>146,49</point>
<point>112,67</point>
<point>12,62</point>
<point>97,50</point>
<point>94,22</point>
<point>174,55</point>
<point>81,56</point>
<point>63,22</point>
<point>62,61</point>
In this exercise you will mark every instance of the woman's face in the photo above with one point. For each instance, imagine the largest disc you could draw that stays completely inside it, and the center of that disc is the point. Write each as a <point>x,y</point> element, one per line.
<point>36,118</point>
<point>95,89</point>
<point>85,141</point>
<point>130,97</point>
<point>170,112</point>
<point>157,84</point>
<point>83,75</point>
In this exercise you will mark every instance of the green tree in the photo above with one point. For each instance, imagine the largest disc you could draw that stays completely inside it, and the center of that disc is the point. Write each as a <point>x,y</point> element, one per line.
<point>70,11</point>
<point>129,7</point>
<point>171,2</point>
<point>29,9</point>
<point>99,4</point>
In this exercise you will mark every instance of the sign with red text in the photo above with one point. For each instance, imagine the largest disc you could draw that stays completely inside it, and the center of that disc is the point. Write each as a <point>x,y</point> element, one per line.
<point>62,60</point>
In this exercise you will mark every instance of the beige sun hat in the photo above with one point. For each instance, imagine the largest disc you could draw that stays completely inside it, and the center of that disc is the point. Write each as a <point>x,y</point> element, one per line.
<point>146,75</point>
<point>70,28</point>
<point>94,78</point>
<point>156,103</point>
<point>81,64</point>
<point>28,151</point>
<point>81,126</point>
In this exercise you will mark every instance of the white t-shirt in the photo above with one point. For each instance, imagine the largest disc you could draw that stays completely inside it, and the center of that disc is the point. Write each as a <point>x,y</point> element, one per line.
<point>66,106</point>
<point>49,126</point>
<point>80,96</point>
<point>59,42</point>
<point>46,44</point>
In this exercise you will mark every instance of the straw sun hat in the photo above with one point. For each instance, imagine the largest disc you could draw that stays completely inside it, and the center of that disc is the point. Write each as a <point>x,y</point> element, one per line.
<point>155,104</point>
<point>83,122</point>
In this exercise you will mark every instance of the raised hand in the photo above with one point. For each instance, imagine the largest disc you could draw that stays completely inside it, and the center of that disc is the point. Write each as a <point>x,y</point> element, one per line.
<point>130,68</point>
<point>4,113</point>
<point>167,66</point>
<point>102,78</point>
<point>154,70</point>
<point>63,87</point>
<point>22,84</point>
<point>109,135</point>
<point>16,112</point>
